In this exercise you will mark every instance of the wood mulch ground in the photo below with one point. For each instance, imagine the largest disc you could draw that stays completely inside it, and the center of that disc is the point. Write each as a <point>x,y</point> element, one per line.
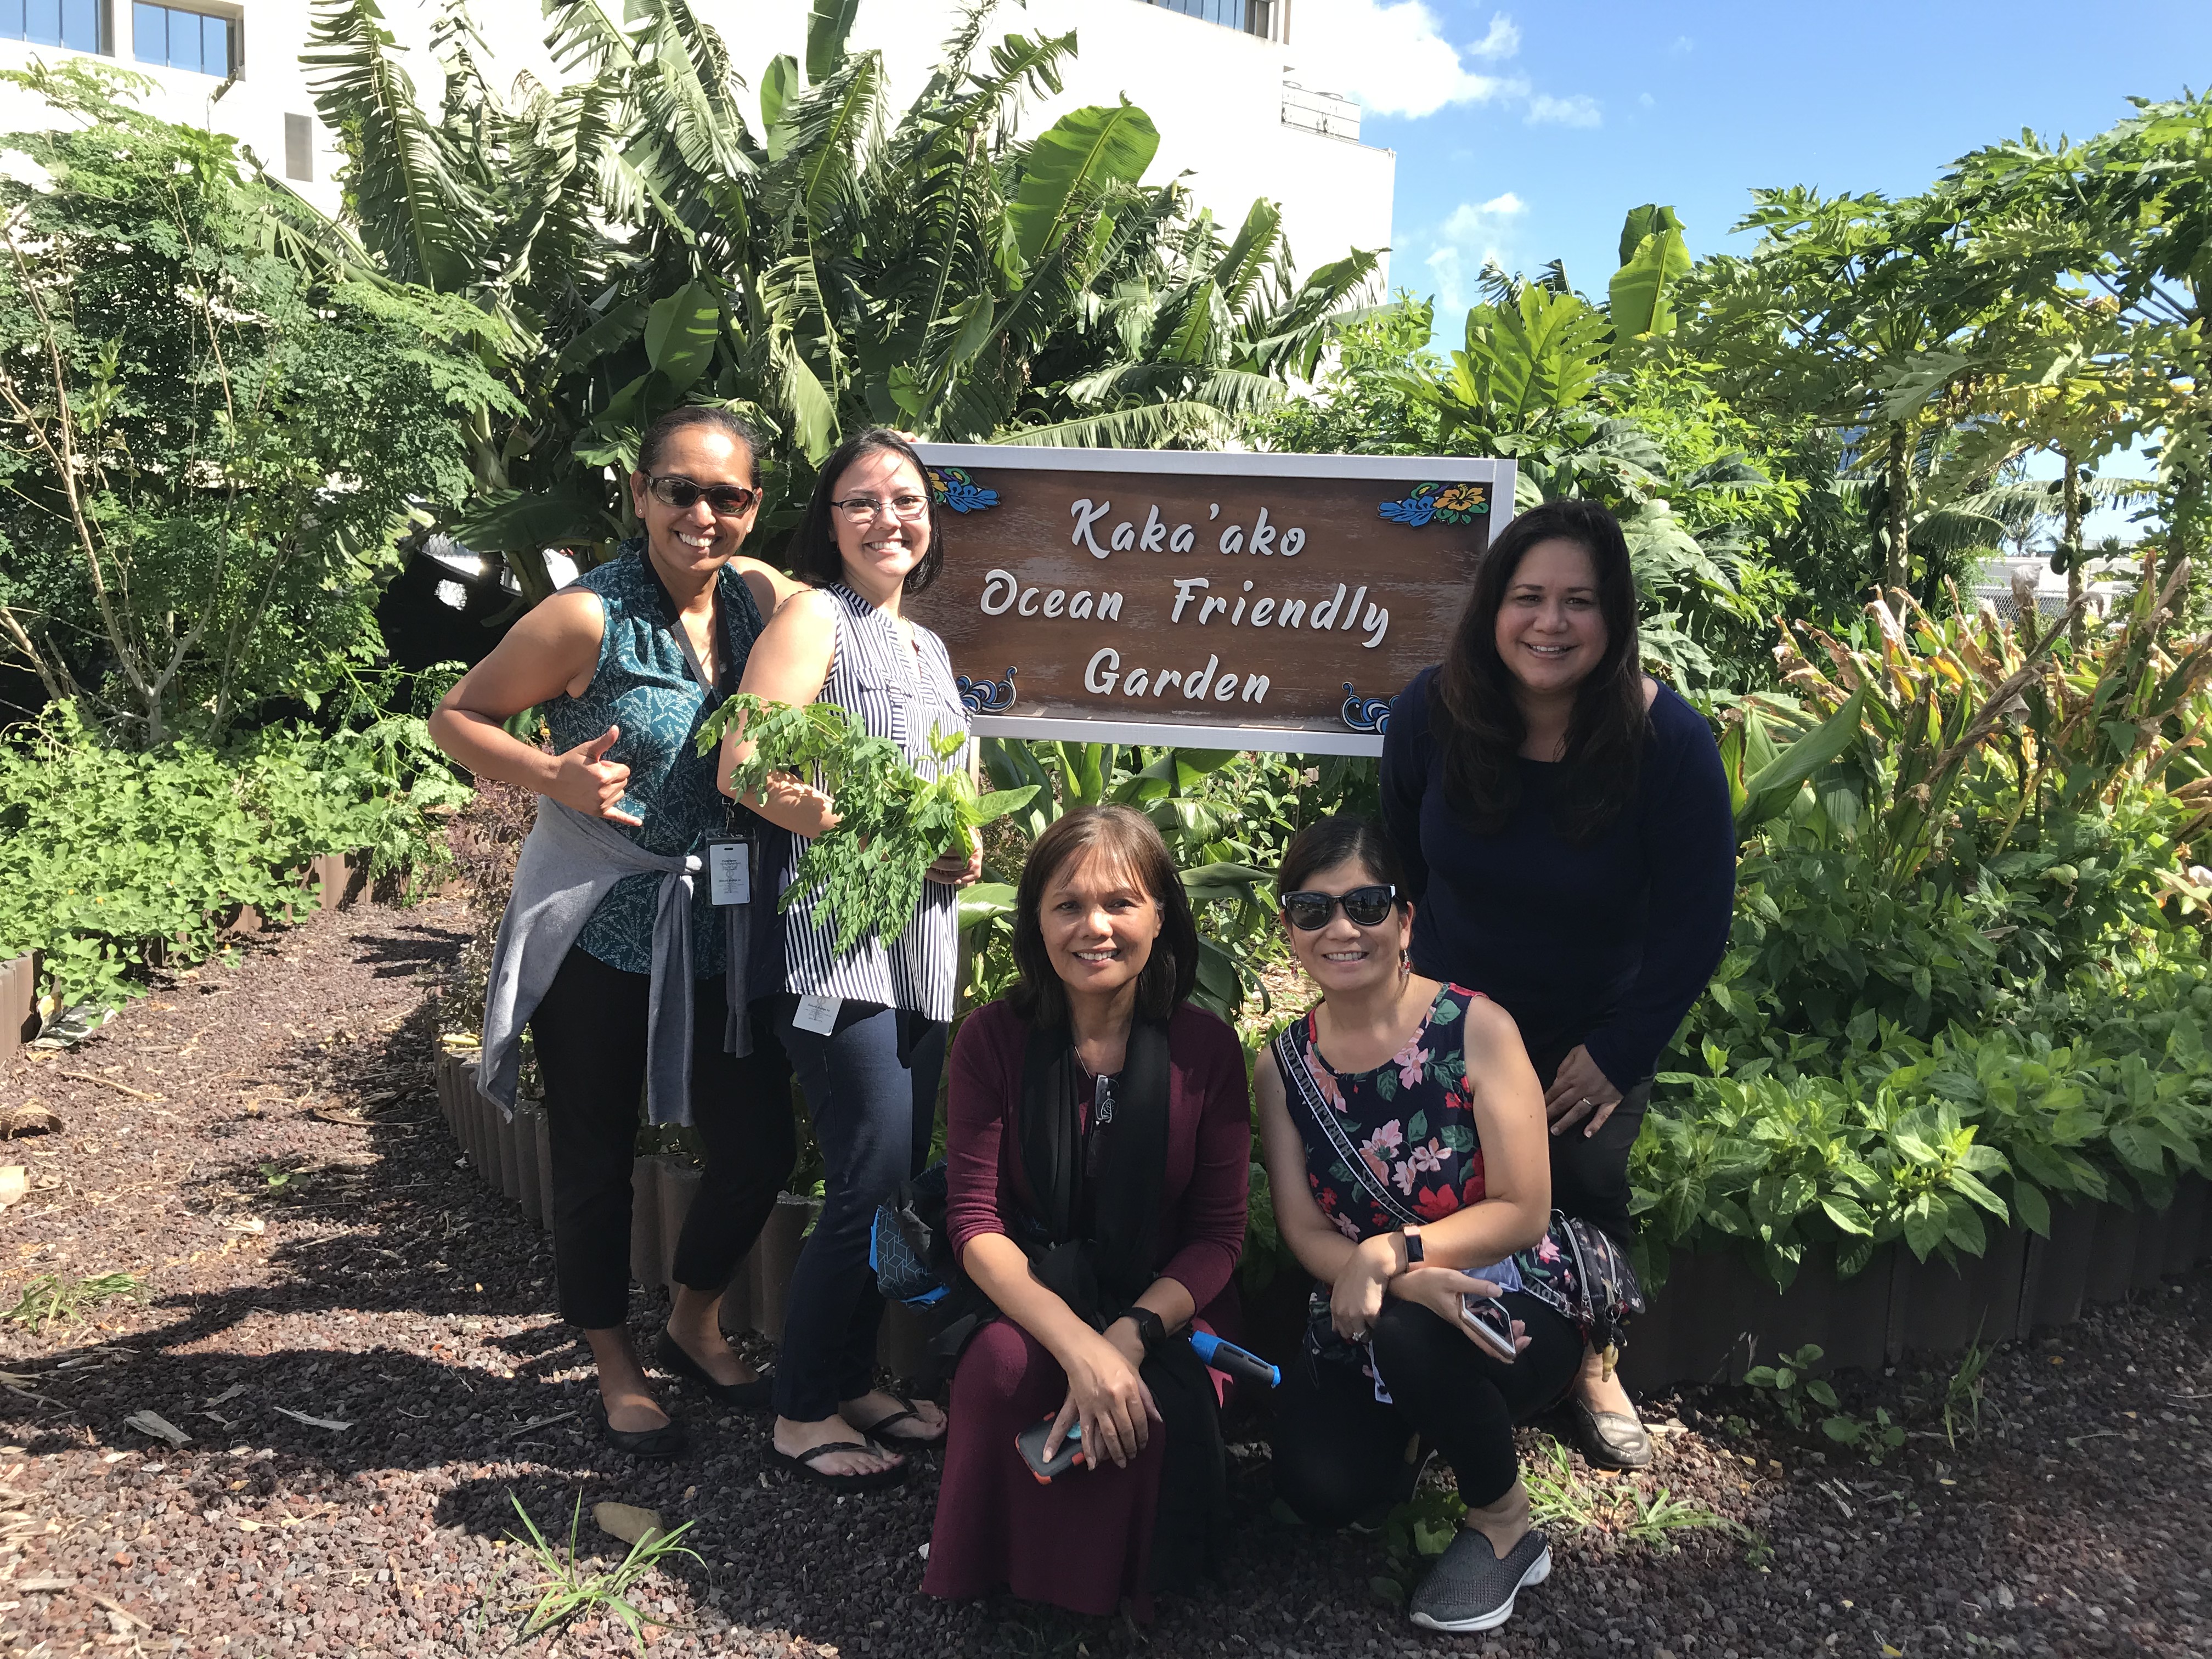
<point>355,1336</point>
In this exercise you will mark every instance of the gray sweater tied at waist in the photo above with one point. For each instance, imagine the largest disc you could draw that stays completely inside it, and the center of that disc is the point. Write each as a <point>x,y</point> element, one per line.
<point>570,862</point>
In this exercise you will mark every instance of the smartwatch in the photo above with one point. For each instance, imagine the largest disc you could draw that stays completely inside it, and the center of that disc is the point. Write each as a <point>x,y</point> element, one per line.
<point>1414,1254</point>
<point>1151,1330</point>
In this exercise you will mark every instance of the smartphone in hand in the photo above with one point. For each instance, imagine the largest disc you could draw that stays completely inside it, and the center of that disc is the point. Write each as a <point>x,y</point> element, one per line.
<point>1492,1325</point>
<point>1030,1443</point>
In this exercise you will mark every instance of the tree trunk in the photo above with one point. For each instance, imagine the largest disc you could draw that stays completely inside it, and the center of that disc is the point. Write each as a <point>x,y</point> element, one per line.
<point>2071,502</point>
<point>1896,476</point>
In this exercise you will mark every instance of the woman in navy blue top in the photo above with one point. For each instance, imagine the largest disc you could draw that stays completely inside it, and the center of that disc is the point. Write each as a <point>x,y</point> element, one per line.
<point>1564,826</point>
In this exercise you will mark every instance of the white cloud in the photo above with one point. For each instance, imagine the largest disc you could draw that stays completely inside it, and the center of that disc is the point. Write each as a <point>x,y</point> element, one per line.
<point>1683,46</point>
<point>1473,235</point>
<point>1503,41</point>
<point>1646,100</point>
<point>1392,55</point>
<point>1470,218</point>
<point>1577,110</point>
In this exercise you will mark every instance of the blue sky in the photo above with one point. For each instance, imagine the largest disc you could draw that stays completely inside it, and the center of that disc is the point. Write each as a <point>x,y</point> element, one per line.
<point>1529,132</point>
<point>1526,134</point>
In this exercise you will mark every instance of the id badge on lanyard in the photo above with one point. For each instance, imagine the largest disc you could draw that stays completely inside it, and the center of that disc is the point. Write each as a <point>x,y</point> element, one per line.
<point>730,869</point>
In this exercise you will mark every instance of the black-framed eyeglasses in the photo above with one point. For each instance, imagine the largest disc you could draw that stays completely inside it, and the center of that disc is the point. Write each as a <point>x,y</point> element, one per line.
<point>1364,906</point>
<point>859,509</point>
<point>725,500</point>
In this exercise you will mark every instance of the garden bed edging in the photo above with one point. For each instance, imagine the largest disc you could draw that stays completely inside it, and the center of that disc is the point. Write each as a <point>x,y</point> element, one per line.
<point>514,1157</point>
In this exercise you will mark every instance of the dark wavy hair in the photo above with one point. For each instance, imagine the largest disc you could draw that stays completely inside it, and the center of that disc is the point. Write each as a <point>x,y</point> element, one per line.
<point>1171,974</point>
<point>814,553</point>
<point>1346,838</point>
<point>1478,724</point>
<point>654,444</point>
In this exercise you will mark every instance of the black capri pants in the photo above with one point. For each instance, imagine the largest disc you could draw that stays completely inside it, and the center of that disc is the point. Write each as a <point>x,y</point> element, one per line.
<point>1590,1173</point>
<point>590,1032</point>
<point>1339,1451</point>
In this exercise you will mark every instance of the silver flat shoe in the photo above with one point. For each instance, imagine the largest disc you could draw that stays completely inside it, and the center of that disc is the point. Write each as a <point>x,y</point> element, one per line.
<point>1608,1440</point>
<point>1469,1589</point>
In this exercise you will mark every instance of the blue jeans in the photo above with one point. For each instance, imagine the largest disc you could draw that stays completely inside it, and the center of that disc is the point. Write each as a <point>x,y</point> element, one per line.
<point>873,1100</point>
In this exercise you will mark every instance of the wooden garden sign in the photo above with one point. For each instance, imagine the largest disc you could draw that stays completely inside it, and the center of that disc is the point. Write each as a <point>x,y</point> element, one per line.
<point>1217,601</point>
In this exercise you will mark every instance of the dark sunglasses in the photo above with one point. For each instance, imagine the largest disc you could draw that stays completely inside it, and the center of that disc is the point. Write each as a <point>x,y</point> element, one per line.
<point>727,501</point>
<point>1364,906</point>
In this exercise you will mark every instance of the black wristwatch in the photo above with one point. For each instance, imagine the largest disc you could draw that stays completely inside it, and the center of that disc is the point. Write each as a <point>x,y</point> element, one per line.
<point>1414,1253</point>
<point>1151,1331</point>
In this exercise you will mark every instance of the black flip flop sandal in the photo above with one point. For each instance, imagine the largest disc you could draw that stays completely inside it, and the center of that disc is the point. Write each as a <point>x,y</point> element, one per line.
<point>804,1463</point>
<point>906,1413</point>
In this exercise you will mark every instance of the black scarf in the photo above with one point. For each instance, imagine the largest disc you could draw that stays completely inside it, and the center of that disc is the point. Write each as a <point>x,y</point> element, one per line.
<point>1096,1237</point>
<point>1094,1244</point>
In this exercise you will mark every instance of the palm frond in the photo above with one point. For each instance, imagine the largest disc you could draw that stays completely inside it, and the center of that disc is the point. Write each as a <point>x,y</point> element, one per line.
<point>415,212</point>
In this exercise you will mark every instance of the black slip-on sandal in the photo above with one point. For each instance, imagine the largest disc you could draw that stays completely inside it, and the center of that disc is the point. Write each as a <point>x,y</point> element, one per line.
<point>804,1463</point>
<point>670,1356</point>
<point>660,1444</point>
<point>1608,1440</point>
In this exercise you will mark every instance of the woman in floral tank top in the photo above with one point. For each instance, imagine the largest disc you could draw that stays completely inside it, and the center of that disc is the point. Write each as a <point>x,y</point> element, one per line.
<point>1404,1133</point>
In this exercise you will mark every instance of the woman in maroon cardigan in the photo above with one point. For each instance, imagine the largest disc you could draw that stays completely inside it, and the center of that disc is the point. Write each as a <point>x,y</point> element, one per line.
<point>1096,1162</point>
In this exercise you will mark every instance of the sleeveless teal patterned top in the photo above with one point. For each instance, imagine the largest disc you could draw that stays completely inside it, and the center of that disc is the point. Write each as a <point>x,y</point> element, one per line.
<point>644,685</point>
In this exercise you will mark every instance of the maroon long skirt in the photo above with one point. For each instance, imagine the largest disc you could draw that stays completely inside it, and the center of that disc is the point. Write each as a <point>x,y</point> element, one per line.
<point>1083,1542</point>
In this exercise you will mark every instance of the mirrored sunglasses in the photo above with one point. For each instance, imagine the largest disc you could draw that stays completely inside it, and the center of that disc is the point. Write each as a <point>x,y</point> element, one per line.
<point>1366,907</point>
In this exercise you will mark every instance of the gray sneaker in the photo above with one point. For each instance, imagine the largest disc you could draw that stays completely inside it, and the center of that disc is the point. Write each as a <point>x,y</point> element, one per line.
<point>1470,1589</point>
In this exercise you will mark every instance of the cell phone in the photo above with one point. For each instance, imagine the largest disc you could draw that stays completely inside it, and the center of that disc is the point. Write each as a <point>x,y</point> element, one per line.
<point>1492,1325</point>
<point>1030,1443</point>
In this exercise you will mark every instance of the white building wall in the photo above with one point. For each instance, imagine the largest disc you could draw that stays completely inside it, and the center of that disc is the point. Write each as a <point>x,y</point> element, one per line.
<point>271,85</point>
<point>1216,95</point>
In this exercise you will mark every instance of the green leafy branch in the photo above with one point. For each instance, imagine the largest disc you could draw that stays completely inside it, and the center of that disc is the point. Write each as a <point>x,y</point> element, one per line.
<point>894,820</point>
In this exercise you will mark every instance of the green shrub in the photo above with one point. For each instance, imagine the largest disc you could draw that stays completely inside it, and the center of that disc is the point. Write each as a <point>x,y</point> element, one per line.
<point>2080,1095</point>
<point>110,859</point>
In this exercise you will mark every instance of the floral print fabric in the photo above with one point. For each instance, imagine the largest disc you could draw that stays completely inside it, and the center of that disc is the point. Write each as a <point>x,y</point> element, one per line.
<point>1411,1122</point>
<point>1411,1119</point>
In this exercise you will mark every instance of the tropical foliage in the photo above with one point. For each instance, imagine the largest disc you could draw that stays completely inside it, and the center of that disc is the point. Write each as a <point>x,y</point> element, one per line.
<point>211,441</point>
<point>655,232</point>
<point>1967,980</point>
<point>1967,975</point>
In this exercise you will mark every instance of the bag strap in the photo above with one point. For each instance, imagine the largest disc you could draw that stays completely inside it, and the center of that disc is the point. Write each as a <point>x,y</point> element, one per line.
<point>1299,1084</point>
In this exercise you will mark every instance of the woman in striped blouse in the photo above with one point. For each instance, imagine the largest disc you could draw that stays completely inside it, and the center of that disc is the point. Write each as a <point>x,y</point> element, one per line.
<point>864,1029</point>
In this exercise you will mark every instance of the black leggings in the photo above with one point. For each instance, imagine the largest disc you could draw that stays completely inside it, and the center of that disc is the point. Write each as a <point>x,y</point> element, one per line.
<point>1339,1451</point>
<point>1590,1173</point>
<point>591,1036</point>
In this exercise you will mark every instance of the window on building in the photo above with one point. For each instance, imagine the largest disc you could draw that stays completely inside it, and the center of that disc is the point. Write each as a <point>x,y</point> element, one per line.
<point>1251,16</point>
<point>71,23</point>
<point>182,39</point>
<point>300,149</point>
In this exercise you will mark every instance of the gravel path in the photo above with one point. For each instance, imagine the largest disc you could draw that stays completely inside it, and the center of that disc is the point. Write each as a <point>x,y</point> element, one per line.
<point>347,1271</point>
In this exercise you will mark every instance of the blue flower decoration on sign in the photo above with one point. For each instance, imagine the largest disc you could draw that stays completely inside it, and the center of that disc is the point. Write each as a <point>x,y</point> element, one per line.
<point>958,489</point>
<point>987,696</point>
<point>1453,503</point>
<point>1417,509</point>
<point>1365,714</point>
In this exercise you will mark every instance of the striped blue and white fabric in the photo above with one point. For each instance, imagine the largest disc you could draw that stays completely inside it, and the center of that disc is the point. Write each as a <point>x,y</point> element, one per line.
<point>902,694</point>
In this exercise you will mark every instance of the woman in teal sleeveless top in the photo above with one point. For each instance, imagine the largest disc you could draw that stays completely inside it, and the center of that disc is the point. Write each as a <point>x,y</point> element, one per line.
<point>625,665</point>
